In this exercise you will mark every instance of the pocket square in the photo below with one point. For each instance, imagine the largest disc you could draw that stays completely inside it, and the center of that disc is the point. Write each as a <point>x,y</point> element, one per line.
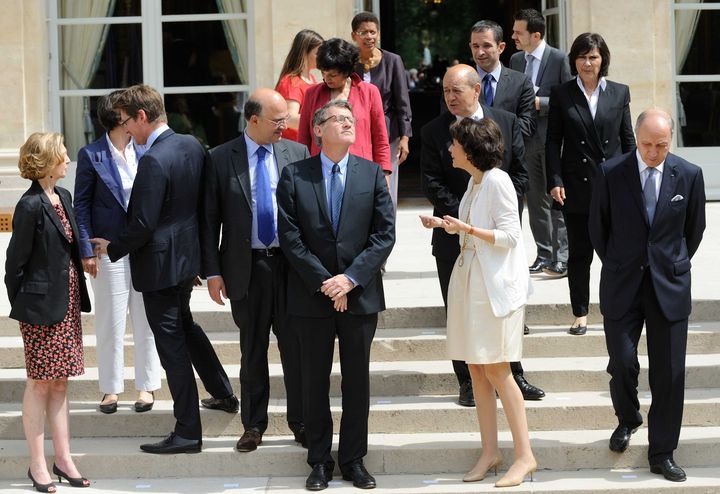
<point>677,198</point>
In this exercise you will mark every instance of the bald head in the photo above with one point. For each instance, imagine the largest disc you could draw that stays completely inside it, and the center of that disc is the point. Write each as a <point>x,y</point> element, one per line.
<point>266,113</point>
<point>653,132</point>
<point>461,89</point>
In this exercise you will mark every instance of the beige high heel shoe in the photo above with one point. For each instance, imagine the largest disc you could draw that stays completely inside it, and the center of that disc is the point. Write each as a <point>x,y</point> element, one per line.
<point>508,481</point>
<point>476,474</point>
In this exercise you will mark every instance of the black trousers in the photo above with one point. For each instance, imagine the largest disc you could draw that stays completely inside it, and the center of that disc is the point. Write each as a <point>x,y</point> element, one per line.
<point>317,344</point>
<point>182,345</point>
<point>667,345</point>
<point>580,256</point>
<point>444,269</point>
<point>263,308</point>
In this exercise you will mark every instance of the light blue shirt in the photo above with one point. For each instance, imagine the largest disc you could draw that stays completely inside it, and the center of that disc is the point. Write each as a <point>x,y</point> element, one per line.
<point>327,165</point>
<point>537,54</point>
<point>274,175</point>
<point>643,169</point>
<point>154,135</point>
<point>495,74</point>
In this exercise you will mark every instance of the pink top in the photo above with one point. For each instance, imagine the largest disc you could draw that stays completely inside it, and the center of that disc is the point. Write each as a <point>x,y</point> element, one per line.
<point>371,138</point>
<point>293,87</point>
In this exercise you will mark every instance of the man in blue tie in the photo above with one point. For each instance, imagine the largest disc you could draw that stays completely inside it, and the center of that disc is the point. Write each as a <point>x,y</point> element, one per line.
<point>245,263</point>
<point>336,227</point>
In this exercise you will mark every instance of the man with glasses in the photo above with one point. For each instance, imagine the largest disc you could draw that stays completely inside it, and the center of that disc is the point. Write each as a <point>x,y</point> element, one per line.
<point>336,227</point>
<point>247,266</point>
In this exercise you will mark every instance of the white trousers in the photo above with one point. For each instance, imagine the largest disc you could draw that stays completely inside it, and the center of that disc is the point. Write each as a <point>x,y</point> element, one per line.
<point>114,297</point>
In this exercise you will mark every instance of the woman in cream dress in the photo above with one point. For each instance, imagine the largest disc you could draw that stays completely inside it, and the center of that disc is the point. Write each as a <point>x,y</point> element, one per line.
<point>487,293</point>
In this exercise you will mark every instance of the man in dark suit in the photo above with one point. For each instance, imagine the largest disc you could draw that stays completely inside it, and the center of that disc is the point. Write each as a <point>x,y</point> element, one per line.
<point>546,67</point>
<point>336,227</point>
<point>162,239</point>
<point>248,266</point>
<point>445,185</point>
<point>647,218</point>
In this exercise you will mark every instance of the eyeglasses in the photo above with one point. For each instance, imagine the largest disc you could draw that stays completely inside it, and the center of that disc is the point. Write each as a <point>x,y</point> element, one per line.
<point>369,34</point>
<point>280,122</point>
<point>341,119</point>
<point>123,124</point>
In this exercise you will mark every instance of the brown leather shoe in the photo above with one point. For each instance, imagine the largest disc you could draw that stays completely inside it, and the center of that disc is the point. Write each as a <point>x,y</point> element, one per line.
<point>249,441</point>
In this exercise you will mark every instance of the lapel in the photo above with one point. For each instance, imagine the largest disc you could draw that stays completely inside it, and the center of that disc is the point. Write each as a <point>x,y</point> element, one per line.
<point>282,156</point>
<point>501,85</point>
<point>605,100</point>
<point>632,179</point>
<point>581,106</point>
<point>318,184</point>
<point>352,187</point>
<point>667,186</point>
<point>543,65</point>
<point>106,169</point>
<point>50,210</point>
<point>241,166</point>
<point>67,204</point>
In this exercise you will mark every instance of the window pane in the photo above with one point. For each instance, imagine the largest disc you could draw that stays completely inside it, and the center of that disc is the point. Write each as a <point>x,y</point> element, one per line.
<point>552,30</point>
<point>100,56</point>
<point>214,118</point>
<point>551,4</point>
<point>205,53</point>
<point>97,8</point>
<point>696,41</point>
<point>699,114</point>
<point>80,124</point>
<point>177,7</point>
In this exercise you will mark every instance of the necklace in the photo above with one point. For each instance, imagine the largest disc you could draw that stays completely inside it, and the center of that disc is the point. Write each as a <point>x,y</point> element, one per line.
<point>370,62</point>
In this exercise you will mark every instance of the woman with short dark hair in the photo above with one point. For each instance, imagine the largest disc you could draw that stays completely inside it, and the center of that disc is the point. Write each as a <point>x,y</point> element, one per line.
<point>487,293</point>
<point>588,123</point>
<point>46,290</point>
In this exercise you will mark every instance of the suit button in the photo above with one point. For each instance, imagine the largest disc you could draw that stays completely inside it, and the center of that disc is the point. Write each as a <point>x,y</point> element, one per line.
<point>603,159</point>
<point>584,179</point>
<point>606,141</point>
<point>584,160</point>
<point>582,142</point>
<point>642,268</point>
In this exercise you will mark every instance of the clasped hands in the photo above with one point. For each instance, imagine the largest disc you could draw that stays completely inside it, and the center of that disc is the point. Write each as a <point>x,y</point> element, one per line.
<point>337,289</point>
<point>90,264</point>
<point>447,222</point>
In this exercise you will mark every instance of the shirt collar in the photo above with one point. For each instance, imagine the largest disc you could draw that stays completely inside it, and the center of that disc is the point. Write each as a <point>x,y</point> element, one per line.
<point>155,134</point>
<point>537,53</point>
<point>495,73</point>
<point>477,115</point>
<point>253,146</point>
<point>601,86</point>
<point>327,163</point>
<point>642,166</point>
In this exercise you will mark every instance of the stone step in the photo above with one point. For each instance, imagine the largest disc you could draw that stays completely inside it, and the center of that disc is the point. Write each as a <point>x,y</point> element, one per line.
<point>395,414</point>
<point>589,481</point>
<point>413,378</point>
<point>420,453</point>
<point>218,318</point>
<point>409,344</point>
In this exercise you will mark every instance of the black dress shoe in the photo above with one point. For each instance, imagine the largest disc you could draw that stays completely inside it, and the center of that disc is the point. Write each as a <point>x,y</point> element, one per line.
<point>555,269</point>
<point>577,330</point>
<point>229,404</point>
<point>538,265</point>
<point>109,407</point>
<point>528,391</point>
<point>670,470</point>
<point>359,476</point>
<point>319,477</point>
<point>299,434</point>
<point>173,444</point>
<point>466,397</point>
<point>249,441</point>
<point>145,406</point>
<point>620,439</point>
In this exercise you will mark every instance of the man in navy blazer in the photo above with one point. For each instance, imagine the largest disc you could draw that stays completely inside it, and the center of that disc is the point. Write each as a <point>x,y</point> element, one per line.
<point>647,217</point>
<point>336,227</point>
<point>162,239</point>
<point>547,68</point>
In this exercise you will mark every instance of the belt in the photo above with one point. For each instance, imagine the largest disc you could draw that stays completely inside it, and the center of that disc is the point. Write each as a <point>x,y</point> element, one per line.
<point>274,251</point>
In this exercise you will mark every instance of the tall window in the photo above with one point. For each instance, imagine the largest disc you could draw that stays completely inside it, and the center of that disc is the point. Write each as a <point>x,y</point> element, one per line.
<point>697,72</point>
<point>197,53</point>
<point>554,13</point>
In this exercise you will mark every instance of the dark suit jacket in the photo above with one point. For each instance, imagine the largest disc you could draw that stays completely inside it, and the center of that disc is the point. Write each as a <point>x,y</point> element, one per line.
<point>227,209</point>
<point>38,257</point>
<point>627,245</point>
<point>515,93</point>
<point>390,78</point>
<point>576,144</point>
<point>554,69</point>
<point>445,185</point>
<point>99,205</point>
<point>162,235</point>
<point>365,237</point>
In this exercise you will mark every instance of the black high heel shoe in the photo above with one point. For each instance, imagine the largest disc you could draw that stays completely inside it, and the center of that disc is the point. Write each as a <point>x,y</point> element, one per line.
<point>75,482</point>
<point>42,487</point>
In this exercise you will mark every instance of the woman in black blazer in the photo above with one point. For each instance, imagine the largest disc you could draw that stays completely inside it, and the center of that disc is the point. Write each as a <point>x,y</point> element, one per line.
<point>46,289</point>
<point>588,122</point>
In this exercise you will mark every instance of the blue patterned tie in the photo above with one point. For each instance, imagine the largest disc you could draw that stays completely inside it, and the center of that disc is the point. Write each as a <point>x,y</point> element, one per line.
<point>487,89</point>
<point>649,194</point>
<point>263,200</point>
<point>336,196</point>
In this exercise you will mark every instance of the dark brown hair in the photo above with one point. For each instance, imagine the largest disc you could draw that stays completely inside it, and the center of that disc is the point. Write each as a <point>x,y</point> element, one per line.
<point>584,44</point>
<point>481,140</point>
<point>141,97</point>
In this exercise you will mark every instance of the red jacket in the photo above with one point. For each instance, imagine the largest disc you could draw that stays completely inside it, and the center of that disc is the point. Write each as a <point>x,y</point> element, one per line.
<point>371,138</point>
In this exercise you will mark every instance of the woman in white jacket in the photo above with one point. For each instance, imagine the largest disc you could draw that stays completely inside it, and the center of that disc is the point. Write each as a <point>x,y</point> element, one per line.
<point>487,294</point>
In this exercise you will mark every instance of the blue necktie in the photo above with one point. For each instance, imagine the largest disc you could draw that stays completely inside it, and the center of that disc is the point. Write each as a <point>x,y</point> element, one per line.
<point>336,196</point>
<point>263,200</point>
<point>487,89</point>
<point>649,194</point>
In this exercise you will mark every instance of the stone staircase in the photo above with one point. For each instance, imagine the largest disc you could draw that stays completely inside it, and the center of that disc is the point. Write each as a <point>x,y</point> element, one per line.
<point>420,439</point>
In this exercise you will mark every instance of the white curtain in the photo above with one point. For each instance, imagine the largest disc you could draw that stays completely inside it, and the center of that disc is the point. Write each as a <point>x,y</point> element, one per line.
<point>82,47</point>
<point>236,35</point>
<point>685,25</point>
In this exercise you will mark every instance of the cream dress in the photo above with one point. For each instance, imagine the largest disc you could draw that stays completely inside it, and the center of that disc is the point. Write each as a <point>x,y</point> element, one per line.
<point>474,334</point>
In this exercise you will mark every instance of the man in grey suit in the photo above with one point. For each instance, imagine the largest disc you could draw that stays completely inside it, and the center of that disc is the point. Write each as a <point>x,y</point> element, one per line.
<point>546,67</point>
<point>245,263</point>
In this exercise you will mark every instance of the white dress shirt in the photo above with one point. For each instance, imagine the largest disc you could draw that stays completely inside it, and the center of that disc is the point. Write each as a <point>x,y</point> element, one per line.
<point>593,98</point>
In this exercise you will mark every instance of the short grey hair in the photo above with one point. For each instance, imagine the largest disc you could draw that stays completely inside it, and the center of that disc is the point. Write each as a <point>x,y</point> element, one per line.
<point>321,116</point>
<point>641,118</point>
